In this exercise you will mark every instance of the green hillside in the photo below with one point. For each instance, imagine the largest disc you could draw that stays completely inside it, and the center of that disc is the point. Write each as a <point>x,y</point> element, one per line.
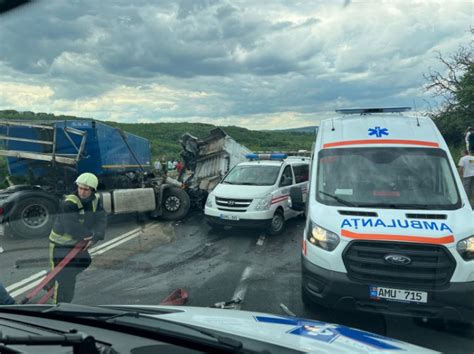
<point>164,137</point>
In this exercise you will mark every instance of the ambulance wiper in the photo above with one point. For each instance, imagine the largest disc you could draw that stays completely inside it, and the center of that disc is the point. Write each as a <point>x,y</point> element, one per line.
<point>223,341</point>
<point>81,342</point>
<point>395,206</point>
<point>340,200</point>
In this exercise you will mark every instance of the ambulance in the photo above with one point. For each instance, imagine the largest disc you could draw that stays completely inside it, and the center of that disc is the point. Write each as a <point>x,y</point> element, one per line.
<point>389,226</point>
<point>254,194</point>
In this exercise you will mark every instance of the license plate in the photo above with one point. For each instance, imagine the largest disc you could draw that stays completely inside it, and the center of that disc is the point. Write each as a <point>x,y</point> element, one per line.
<point>378,292</point>
<point>229,217</point>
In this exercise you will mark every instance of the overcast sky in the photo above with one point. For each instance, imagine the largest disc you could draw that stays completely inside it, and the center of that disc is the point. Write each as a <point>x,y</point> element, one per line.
<point>267,64</point>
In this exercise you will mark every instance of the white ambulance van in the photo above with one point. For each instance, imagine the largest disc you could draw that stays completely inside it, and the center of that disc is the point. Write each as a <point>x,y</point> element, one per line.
<point>255,193</point>
<point>389,226</point>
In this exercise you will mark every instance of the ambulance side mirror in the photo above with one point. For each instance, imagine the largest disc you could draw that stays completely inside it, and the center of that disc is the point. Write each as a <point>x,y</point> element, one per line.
<point>295,201</point>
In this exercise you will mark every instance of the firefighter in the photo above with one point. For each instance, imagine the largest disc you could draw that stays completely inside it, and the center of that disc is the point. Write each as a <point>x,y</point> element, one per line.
<point>81,217</point>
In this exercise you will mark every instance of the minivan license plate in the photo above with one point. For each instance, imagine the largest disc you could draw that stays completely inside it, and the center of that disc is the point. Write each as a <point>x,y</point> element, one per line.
<point>229,217</point>
<point>378,292</point>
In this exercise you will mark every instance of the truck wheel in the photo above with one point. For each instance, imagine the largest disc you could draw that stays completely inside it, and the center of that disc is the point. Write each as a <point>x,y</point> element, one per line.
<point>32,218</point>
<point>175,204</point>
<point>277,224</point>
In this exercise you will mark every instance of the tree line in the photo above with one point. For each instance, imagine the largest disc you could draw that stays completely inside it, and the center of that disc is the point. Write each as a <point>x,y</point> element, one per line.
<point>454,85</point>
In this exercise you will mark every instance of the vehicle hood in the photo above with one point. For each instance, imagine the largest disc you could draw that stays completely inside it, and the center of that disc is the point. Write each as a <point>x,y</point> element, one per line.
<point>241,192</point>
<point>290,332</point>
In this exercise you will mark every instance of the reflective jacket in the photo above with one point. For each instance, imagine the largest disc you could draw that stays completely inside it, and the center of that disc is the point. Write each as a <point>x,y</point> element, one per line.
<point>78,219</point>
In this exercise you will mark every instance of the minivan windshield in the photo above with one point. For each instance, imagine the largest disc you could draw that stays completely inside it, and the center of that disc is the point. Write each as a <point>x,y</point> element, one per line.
<point>253,175</point>
<point>386,177</point>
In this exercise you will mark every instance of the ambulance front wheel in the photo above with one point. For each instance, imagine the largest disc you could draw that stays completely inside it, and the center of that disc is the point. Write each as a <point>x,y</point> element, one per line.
<point>315,309</point>
<point>277,223</point>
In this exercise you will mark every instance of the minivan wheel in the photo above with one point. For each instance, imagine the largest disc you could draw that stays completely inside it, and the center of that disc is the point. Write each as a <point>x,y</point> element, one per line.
<point>277,224</point>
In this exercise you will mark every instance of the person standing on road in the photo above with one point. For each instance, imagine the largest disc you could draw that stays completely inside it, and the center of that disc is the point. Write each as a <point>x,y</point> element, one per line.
<point>180,169</point>
<point>157,165</point>
<point>81,217</point>
<point>164,167</point>
<point>466,170</point>
<point>466,139</point>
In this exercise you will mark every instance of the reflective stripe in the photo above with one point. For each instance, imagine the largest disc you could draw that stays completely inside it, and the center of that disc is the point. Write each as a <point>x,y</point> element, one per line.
<point>64,240</point>
<point>51,262</point>
<point>67,239</point>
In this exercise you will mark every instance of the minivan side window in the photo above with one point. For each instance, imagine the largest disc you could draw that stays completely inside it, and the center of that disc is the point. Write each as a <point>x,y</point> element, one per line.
<point>301,173</point>
<point>286,177</point>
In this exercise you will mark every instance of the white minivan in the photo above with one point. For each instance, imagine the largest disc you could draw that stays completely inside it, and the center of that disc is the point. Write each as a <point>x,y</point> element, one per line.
<point>389,226</point>
<point>255,193</point>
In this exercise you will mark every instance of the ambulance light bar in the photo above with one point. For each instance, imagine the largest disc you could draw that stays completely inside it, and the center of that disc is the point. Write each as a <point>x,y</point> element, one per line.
<point>272,156</point>
<point>372,110</point>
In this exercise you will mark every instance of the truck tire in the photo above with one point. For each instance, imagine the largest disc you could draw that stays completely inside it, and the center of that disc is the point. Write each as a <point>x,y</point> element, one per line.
<point>32,218</point>
<point>277,223</point>
<point>175,204</point>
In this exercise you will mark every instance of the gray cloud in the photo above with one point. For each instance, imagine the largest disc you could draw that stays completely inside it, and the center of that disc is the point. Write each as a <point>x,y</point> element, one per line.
<point>246,57</point>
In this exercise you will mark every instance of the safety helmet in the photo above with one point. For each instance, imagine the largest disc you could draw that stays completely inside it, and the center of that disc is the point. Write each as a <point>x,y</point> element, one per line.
<point>88,179</point>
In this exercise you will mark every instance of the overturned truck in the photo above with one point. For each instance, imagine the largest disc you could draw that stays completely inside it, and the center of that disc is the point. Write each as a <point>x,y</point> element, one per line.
<point>208,160</point>
<point>48,156</point>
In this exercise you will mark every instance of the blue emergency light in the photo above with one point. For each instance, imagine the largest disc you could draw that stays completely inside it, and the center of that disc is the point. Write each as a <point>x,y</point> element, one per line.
<point>272,156</point>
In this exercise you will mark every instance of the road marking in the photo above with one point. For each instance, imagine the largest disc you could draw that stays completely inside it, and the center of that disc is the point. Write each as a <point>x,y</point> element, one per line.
<point>116,239</point>
<point>241,289</point>
<point>103,250</point>
<point>25,281</point>
<point>261,240</point>
<point>27,287</point>
<point>19,288</point>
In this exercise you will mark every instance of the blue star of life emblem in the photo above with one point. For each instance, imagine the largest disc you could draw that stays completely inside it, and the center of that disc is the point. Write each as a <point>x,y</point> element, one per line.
<point>378,132</point>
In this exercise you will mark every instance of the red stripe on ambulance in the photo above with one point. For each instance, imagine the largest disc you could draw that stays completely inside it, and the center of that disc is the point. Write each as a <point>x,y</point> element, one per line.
<point>405,238</point>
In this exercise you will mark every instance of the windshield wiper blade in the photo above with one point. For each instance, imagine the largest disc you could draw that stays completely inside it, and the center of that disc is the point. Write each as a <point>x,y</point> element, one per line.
<point>380,205</point>
<point>340,200</point>
<point>222,340</point>
<point>395,206</point>
<point>81,342</point>
<point>74,311</point>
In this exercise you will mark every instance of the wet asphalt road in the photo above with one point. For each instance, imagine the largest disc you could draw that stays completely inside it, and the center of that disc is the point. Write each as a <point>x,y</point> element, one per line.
<point>212,266</point>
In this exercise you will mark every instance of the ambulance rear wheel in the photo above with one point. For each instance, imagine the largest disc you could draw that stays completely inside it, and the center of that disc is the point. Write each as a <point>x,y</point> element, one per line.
<point>277,223</point>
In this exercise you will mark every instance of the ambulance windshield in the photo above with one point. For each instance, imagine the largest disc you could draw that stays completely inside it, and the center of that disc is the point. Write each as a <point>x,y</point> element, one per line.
<point>386,177</point>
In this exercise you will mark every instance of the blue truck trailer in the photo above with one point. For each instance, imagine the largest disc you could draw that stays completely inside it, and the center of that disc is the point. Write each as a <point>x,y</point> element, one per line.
<point>48,156</point>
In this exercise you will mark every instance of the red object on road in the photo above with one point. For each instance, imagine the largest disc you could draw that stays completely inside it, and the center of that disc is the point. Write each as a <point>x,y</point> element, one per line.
<point>46,296</point>
<point>177,297</point>
<point>51,275</point>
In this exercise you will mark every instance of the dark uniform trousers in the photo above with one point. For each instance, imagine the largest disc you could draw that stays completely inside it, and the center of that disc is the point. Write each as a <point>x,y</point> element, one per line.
<point>66,279</point>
